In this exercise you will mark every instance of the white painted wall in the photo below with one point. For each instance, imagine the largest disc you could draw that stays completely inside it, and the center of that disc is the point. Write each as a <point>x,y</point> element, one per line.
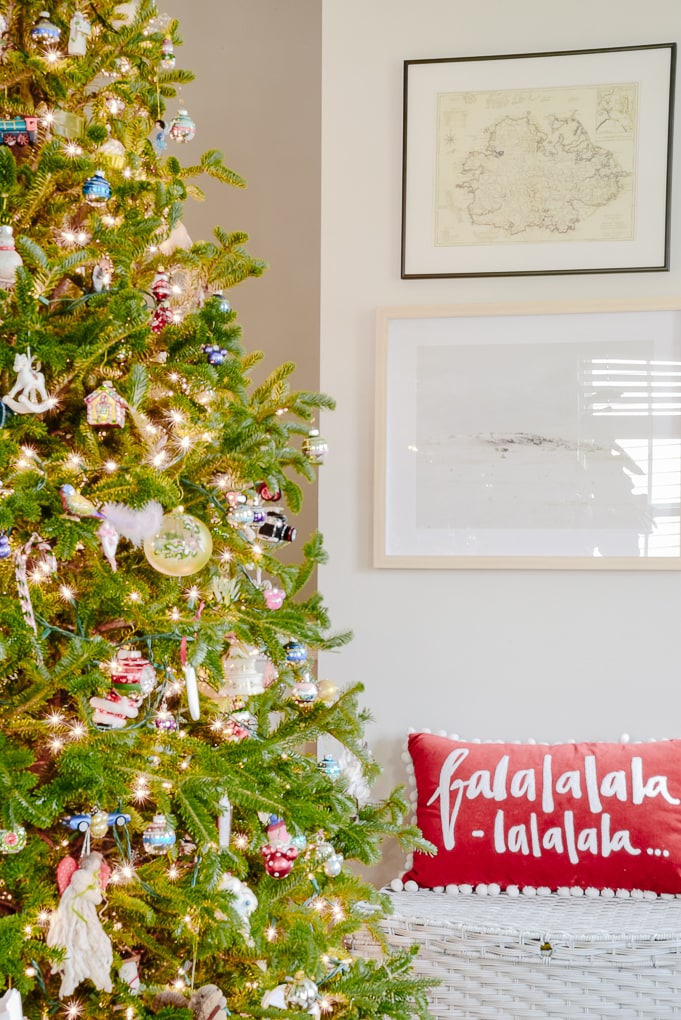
<point>506,653</point>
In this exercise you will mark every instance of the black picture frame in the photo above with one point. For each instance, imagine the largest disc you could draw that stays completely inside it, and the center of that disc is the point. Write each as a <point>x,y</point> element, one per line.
<point>538,164</point>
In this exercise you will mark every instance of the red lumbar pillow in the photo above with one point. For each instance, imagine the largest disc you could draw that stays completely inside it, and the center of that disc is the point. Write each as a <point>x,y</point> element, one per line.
<point>586,816</point>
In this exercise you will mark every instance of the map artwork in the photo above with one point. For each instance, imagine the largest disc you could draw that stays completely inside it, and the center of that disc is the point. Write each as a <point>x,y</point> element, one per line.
<point>536,165</point>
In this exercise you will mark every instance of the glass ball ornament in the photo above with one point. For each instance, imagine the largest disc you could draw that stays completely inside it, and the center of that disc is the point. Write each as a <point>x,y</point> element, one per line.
<point>45,32</point>
<point>328,691</point>
<point>302,993</point>
<point>295,651</point>
<point>305,692</point>
<point>279,860</point>
<point>269,495</point>
<point>159,836</point>
<point>315,447</point>
<point>164,720</point>
<point>12,840</point>
<point>97,190</point>
<point>330,767</point>
<point>182,545</point>
<point>99,824</point>
<point>5,548</point>
<point>182,127</point>
<point>10,259</point>
<point>333,865</point>
<point>214,355</point>
<point>223,304</point>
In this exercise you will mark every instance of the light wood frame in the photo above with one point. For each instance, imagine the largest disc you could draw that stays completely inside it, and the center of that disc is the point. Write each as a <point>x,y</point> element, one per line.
<point>629,322</point>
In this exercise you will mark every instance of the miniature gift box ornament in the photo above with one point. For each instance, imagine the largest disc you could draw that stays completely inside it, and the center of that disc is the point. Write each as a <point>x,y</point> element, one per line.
<point>106,407</point>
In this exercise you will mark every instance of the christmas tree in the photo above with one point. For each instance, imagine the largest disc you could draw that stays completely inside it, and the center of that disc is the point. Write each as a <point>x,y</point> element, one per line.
<point>173,843</point>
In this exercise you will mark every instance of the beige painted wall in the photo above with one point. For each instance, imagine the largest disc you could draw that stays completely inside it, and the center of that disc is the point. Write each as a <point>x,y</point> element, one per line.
<point>257,97</point>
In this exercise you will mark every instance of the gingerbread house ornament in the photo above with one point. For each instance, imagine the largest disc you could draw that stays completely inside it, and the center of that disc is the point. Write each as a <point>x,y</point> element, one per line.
<point>105,406</point>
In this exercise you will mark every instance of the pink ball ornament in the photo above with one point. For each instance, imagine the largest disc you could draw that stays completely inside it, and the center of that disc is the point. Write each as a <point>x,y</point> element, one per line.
<point>305,693</point>
<point>274,598</point>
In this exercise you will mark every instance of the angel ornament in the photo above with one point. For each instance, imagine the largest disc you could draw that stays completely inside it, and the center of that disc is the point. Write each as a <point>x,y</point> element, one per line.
<point>28,395</point>
<point>75,927</point>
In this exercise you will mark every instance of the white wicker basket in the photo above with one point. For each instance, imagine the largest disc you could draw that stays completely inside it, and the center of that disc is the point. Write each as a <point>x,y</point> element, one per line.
<point>607,957</point>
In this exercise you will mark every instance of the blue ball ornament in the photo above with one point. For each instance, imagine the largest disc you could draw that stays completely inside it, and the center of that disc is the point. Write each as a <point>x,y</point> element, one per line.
<point>45,32</point>
<point>97,190</point>
<point>5,548</point>
<point>214,354</point>
<point>295,652</point>
<point>329,766</point>
<point>222,303</point>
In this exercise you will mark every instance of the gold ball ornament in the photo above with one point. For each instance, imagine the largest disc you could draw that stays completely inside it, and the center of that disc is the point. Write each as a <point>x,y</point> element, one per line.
<point>99,823</point>
<point>182,545</point>
<point>328,692</point>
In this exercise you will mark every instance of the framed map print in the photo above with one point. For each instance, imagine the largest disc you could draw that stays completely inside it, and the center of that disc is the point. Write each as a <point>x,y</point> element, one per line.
<point>539,163</point>
<point>529,436</point>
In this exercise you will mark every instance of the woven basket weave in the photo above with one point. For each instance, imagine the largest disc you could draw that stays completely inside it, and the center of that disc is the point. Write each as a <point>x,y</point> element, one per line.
<point>607,957</point>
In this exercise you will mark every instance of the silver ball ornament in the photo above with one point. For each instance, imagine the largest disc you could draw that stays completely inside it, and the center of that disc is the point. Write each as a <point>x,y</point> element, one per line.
<point>302,993</point>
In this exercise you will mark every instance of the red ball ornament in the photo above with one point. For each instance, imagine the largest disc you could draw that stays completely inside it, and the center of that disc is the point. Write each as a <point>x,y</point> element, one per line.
<point>279,860</point>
